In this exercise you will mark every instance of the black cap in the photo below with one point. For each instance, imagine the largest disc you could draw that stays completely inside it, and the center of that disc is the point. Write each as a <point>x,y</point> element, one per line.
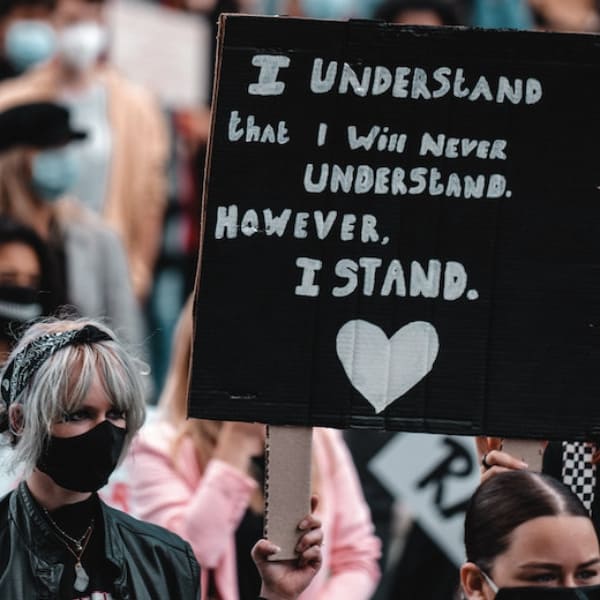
<point>38,125</point>
<point>8,6</point>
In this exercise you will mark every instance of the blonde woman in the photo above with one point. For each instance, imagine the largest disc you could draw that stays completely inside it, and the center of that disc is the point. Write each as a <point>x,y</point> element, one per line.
<point>71,400</point>
<point>202,480</point>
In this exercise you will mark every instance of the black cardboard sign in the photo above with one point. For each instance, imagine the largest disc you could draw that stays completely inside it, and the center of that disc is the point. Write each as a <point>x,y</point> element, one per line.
<point>401,230</point>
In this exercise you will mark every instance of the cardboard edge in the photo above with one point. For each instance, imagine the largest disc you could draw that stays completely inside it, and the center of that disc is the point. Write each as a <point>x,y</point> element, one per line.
<point>207,164</point>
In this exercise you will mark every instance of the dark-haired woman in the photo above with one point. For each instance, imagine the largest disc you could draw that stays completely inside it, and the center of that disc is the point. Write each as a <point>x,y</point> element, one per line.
<point>573,463</point>
<point>527,536</point>
<point>29,284</point>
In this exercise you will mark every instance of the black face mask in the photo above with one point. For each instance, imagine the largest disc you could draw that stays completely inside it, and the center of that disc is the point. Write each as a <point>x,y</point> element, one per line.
<point>18,305</point>
<point>84,463</point>
<point>541,593</point>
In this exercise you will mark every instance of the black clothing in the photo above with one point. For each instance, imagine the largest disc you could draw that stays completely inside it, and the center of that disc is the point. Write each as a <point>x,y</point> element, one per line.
<point>40,125</point>
<point>424,570</point>
<point>148,561</point>
<point>7,71</point>
<point>249,531</point>
<point>364,446</point>
<point>74,520</point>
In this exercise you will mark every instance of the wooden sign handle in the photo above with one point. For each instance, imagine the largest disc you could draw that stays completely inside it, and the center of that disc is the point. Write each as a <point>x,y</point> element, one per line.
<point>287,486</point>
<point>529,451</point>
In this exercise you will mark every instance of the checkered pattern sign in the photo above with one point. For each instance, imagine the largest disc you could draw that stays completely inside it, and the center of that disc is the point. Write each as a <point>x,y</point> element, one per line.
<point>578,472</point>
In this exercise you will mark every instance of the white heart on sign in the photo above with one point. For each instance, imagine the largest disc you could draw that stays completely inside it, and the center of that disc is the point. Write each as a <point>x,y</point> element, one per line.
<point>383,369</point>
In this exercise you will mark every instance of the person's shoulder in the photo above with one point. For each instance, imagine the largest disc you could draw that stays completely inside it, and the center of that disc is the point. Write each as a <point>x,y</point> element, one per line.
<point>35,85</point>
<point>156,547</point>
<point>152,534</point>
<point>128,91</point>
<point>159,434</point>
<point>74,215</point>
<point>5,509</point>
<point>5,502</point>
<point>84,228</point>
<point>329,440</point>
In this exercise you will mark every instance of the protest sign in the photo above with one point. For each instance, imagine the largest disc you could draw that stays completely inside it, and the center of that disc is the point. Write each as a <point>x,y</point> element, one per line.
<point>434,476</point>
<point>401,230</point>
<point>163,49</point>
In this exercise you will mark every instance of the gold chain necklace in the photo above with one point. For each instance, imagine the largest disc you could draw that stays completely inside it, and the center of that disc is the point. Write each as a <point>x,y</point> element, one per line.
<point>82,579</point>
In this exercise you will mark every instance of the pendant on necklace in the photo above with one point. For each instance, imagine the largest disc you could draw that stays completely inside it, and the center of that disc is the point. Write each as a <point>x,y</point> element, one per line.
<point>82,579</point>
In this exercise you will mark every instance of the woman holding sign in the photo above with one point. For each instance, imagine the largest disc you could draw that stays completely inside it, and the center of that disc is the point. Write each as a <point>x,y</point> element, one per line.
<point>202,479</point>
<point>528,537</point>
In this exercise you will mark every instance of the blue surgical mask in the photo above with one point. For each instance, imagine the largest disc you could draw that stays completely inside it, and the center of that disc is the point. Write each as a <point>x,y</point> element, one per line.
<point>329,9</point>
<point>54,172</point>
<point>28,43</point>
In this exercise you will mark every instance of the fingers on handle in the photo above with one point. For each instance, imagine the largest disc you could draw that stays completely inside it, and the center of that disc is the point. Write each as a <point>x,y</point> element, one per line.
<point>314,503</point>
<point>487,444</point>
<point>502,459</point>
<point>314,537</point>
<point>309,522</point>
<point>263,549</point>
<point>311,556</point>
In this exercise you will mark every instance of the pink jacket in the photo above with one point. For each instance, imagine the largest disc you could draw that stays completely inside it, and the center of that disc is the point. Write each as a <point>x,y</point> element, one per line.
<point>205,509</point>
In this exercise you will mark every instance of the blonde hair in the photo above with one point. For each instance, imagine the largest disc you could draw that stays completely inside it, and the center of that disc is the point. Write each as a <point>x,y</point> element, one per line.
<point>16,196</point>
<point>173,399</point>
<point>62,382</point>
<point>173,403</point>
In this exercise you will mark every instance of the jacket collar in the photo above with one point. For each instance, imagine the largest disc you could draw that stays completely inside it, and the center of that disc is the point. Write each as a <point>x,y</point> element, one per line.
<point>39,536</point>
<point>33,526</point>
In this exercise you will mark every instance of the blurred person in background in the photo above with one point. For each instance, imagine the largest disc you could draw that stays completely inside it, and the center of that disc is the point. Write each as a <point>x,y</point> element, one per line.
<point>175,269</point>
<point>319,9</point>
<point>123,166</point>
<point>203,480</point>
<point>421,12</point>
<point>26,37</point>
<point>38,165</point>
<point>502,14</point>
<point>28,285</point>
<point>567,15</point>
<point>344,9</point>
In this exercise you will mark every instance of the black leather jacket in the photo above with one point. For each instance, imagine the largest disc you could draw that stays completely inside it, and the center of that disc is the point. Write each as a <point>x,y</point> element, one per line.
<point>152,563</point>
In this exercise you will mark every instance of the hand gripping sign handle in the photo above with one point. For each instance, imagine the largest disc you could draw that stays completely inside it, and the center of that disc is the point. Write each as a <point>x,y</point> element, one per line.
<point>288,455</point>
<point>529,451</point>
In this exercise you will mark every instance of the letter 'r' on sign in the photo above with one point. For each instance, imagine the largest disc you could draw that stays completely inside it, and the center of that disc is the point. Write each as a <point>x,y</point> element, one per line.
<point>267,78</point>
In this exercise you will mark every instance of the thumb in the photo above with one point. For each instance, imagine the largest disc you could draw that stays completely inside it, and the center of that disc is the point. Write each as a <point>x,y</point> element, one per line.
<point>262,550</point>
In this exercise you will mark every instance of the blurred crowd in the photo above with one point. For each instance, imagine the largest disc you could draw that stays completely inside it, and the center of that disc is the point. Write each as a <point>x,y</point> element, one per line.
<point>100,207</point>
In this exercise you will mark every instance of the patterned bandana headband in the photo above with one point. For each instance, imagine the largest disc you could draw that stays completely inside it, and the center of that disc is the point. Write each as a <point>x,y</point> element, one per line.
<point>22,367</point>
